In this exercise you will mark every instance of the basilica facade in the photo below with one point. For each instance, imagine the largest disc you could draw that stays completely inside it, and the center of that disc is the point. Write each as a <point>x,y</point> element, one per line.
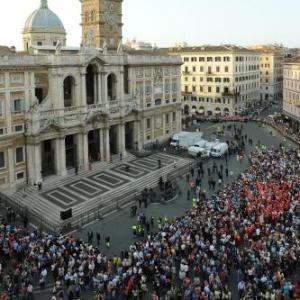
<point>65,107</point>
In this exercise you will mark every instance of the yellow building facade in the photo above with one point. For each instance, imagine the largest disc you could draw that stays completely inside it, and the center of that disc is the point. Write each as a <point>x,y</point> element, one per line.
<point>271,72</point>
<point>291,92</point>
<point>217,80</point>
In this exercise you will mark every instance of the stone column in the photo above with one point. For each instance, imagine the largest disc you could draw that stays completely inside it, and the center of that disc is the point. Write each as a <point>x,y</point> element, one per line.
<point>8,104</point>
<point>106,144</point>
<point>120,83</point>
<point>58,90</point>
<point>178,89</point>
<point>121,139</point>
<point>153,128</point>
<point>143,131</point>
<point>60,156</point>
<point>34,163</point>
<point>96,95</point>
<point>82,151</point>
<point>163,100</point>
<point>27,90</point>
<point>85,150</point>
<point>104,87</point>
<point>11,165</point>
<point>164,124</point>
<point>102,147</point>
<point>83,87</point>
<point>100,97</point>
<point>138,139</point>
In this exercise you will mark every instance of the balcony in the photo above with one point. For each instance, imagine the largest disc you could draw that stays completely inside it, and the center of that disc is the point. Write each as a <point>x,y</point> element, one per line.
<point>72,116</point>
<point>186,93</point>
<point>231,94</point>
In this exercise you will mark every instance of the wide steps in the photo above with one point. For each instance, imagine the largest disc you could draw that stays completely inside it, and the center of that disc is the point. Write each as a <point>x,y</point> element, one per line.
<point>46,213</point>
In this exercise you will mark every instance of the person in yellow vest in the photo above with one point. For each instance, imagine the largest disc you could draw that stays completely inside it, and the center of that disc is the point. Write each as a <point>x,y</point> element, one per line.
<point>194,203</point>
<point>134,230</point>
<point>159,223</point>
<point>138,229</point>
<point>115,260</point>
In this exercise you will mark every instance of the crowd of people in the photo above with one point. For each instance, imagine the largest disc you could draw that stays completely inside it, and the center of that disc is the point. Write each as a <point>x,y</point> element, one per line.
<point>243,240</point>
<point>284,128</point>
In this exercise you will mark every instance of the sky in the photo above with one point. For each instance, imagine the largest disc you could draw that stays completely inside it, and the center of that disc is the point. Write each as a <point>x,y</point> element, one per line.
<point>165,22</point>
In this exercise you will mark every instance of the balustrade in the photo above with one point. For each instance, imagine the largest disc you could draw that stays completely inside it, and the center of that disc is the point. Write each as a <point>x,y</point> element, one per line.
<point>75,115</point>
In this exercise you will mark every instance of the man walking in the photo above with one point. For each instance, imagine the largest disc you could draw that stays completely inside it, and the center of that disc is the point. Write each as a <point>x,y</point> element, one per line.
<point>98,238</point>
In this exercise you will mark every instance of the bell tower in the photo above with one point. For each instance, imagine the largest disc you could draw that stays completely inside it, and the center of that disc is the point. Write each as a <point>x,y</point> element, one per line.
<point>101,22</point>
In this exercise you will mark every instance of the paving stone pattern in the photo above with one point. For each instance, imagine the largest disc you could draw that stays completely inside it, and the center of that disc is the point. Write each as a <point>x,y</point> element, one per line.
<point>104,181</point>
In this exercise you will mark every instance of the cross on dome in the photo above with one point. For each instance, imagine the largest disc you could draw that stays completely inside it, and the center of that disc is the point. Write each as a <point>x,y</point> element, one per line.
<point>44,4</point>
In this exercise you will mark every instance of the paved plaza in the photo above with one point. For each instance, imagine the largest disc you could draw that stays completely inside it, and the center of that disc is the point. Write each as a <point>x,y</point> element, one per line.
<point>96,188</point>
<point>122,237</point>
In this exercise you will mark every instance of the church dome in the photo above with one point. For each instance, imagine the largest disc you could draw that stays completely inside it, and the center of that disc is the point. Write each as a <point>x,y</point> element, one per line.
<point>44,19</point>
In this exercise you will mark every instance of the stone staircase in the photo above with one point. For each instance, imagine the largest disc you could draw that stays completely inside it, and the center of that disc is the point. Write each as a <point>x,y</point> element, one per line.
<point>46,215</point>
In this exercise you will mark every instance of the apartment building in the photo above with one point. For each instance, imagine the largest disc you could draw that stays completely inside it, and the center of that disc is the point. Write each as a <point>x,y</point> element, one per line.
<point>218,80</point>
<point>271,72</point>
<point>16,87</point>
<point>291,92</point>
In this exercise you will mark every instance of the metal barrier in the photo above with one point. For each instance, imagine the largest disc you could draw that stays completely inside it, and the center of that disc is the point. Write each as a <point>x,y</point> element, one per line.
<point>34,218</point>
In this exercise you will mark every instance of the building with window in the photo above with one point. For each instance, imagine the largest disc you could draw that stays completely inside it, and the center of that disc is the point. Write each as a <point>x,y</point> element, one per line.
<point>217,80</point>
<point>271,72</point>
<point>291,92</point>
<point>64,107</point>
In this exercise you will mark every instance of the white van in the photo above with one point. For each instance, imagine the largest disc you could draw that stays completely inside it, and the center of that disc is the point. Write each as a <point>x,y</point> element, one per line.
<point>185,139</point>
<point>196,148</point>
<point>219,150</point>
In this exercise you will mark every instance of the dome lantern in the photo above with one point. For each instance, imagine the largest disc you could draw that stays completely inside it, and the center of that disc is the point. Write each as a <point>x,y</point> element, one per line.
<point>44,4</point>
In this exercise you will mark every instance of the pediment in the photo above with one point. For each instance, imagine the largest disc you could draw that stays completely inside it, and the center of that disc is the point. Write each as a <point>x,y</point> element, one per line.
<point>95,60</point>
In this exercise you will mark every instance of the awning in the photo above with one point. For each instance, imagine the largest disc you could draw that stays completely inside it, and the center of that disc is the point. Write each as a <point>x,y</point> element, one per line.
<point>201,111</point>
<point>193,110</point>
<point>217,112</point>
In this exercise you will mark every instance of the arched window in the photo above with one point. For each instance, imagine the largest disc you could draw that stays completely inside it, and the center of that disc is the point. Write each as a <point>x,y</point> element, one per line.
<point>111,87</point>
<point>201,110</point>
<point>226,111</point>
<point>186,110</point>
<point>69,91</point>
<point>217,111</point>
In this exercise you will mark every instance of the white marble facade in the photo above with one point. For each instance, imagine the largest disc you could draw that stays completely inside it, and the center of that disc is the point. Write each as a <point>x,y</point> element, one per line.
<point>91,106</point>
<point>67,107</point>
